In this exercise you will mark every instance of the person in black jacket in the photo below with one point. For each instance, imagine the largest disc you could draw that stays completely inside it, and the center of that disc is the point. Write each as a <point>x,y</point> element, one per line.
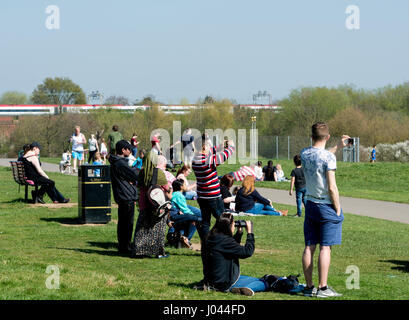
<point>220,256</point>
<point>123,180</point>
<point>250,201</point>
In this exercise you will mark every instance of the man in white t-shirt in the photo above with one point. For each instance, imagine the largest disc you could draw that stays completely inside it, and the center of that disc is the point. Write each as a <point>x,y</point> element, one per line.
<point>323,213</point>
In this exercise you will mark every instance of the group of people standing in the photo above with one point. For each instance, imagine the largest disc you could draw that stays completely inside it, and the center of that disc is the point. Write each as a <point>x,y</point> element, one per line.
<point>322,225</point>
<point>95,150</point>
<point>313,179</point>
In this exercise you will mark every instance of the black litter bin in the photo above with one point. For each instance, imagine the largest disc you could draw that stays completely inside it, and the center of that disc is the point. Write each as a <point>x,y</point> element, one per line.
<point>94,194</point>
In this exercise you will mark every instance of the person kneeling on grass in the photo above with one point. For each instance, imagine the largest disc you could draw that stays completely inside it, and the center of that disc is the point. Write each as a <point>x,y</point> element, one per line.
<point>250,201</point>
<point>221,252</point>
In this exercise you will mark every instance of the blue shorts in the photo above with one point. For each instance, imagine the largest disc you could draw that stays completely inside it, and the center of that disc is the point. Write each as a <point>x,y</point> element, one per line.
<point>77,155</point>
<point>322,224</point>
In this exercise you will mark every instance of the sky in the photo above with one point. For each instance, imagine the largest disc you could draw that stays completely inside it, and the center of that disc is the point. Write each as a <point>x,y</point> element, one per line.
<point>187,49</point>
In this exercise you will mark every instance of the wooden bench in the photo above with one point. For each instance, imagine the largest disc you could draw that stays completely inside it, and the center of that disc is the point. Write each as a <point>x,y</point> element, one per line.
<point>20,178</point>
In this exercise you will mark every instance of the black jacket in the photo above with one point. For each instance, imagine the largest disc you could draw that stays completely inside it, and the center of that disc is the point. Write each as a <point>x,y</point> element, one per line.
<point>220,257</point>
<point>246,202</point>
<point>123,180</point>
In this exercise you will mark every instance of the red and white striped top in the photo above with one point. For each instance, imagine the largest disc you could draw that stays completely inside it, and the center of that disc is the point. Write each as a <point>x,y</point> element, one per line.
<point>204,167</point>
<point>243,172</point>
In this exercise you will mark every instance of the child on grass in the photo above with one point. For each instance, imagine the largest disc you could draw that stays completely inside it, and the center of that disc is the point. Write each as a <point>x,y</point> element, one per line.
<point>184,216</point>
<point>98,161</point>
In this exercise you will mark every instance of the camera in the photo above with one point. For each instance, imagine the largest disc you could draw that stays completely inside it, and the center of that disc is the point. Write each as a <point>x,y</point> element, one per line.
<point>240,223</point>
<point>351,141</point>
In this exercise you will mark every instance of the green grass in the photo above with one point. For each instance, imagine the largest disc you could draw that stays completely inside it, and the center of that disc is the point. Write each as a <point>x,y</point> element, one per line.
<point>34,238</point>
<point>387,181</point>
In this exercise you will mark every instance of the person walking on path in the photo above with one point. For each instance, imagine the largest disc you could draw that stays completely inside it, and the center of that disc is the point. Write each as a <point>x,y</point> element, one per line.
<point>113,138</point>
<point>298,181</point>
<point>125,194</point>
<point>323,213</point>
<point>78,140</point>
<point>93,148</point>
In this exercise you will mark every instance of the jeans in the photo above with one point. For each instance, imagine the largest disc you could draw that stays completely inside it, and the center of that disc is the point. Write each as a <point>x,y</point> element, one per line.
<point>189,195</point>
<point>260,208</point>
<point>48,186</point>
<point>135,152</point>
<point>255,284</point>
<point>300,198</point>
<point>183,222</point>
<point>208,207</point>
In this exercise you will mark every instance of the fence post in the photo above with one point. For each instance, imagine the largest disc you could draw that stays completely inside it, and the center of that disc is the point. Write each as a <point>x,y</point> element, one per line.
<point>357,149</point>
<point>276,147</point>
<point>288,148</point>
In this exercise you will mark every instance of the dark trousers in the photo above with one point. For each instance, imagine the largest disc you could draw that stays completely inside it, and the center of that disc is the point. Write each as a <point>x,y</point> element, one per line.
<point>91,156</point>
<point>126,215</point>
<point>48,186</point>
<point>208,207</point>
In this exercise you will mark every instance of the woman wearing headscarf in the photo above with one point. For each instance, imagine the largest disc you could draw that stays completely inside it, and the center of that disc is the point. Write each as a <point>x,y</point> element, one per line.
<point>149,238</point>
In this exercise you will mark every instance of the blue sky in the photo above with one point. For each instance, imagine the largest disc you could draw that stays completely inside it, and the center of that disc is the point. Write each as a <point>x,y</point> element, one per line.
<point>178,49</point>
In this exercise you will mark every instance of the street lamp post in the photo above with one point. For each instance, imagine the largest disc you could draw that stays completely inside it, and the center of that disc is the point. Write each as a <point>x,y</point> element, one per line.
<point>253,139</point>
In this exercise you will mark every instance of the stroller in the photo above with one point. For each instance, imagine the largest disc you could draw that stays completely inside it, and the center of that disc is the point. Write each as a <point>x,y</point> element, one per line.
<point>65,163</point>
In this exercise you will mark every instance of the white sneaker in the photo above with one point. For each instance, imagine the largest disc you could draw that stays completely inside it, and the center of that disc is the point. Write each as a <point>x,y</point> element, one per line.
<point>329,292</point>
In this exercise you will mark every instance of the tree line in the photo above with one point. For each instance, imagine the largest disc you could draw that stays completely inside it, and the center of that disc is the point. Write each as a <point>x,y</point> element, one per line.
<point>376,116</point>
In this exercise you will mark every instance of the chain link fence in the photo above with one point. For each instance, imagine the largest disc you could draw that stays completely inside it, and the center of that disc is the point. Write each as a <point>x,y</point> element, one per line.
<point>286,147</point>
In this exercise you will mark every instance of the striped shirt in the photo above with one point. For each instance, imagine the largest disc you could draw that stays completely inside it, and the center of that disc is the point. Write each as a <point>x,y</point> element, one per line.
<point>204,167</point>
<point>244,171</point>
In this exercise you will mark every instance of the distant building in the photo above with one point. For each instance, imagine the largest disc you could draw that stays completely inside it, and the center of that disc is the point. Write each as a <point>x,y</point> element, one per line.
<point>20,110</point>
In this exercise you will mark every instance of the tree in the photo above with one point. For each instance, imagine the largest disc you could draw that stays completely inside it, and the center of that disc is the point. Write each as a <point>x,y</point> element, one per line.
<point>148,100</point>
<point>117,100</point>
<point>13,97</point>
<point>209,100</point>
<point>58,91</point>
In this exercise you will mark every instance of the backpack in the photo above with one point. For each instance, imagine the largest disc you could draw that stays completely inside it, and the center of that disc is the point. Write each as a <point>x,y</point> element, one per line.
<point>157,199</point>
<point>288,284</point>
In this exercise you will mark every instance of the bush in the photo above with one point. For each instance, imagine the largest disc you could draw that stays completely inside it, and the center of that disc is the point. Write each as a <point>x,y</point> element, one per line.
<point>389,152</point>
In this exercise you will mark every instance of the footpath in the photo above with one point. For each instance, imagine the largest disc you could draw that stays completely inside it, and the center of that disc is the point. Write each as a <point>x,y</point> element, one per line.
<point>371,208</point>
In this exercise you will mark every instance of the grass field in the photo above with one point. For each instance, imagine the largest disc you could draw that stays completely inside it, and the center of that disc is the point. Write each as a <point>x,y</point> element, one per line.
<point>387,181</point>
<point>33,238</point>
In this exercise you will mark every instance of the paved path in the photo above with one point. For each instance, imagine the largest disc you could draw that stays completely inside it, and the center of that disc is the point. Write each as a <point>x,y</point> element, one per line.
<point>371,208</point>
